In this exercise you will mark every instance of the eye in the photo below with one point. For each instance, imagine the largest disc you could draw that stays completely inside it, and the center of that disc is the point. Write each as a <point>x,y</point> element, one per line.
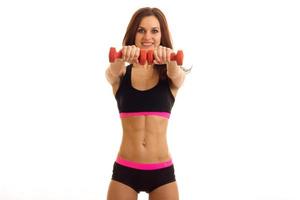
<point>155,31</point>
<point>140,30</point>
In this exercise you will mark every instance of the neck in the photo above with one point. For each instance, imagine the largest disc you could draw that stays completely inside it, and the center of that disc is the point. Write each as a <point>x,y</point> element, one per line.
<point>145,67</point>
<point>145,70</point>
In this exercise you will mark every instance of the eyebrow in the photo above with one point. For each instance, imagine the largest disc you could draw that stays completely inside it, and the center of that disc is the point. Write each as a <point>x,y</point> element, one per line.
<point>155,27</point>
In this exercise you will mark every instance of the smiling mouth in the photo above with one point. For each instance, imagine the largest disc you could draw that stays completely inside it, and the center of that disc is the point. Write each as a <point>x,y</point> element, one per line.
<point>147,44</point>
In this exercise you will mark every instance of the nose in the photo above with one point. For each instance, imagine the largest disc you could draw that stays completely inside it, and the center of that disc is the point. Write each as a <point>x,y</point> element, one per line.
<point>147,35</point>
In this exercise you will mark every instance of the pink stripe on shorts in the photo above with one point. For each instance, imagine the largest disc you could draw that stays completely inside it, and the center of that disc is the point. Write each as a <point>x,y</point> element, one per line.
<point>143,166</point>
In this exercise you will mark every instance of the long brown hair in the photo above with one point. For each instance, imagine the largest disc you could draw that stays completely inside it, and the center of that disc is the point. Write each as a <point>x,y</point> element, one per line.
<point>129,38</point>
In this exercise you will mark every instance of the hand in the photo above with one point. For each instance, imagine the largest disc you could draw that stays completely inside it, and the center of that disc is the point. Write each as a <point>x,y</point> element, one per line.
<point>130,54</point>
<point>162,55</point>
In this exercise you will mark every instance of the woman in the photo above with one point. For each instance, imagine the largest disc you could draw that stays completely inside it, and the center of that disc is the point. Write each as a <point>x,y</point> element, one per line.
<point>145,95</point>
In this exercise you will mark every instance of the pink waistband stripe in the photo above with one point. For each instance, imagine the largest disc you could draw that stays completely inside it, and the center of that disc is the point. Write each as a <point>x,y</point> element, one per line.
<point>130,114</point>
<point>144,166</point>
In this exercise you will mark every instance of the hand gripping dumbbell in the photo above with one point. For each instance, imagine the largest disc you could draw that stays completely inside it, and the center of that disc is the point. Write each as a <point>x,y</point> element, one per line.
<point>113,54</point>
<point>145,56</point>
<point>174,57</point>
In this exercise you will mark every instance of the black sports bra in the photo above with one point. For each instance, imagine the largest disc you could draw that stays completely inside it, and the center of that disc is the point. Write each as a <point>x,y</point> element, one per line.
<point>157,101</point>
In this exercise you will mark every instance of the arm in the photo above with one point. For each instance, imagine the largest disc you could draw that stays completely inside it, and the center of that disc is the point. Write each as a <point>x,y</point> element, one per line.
<point>175,73</point>
<point>116,69</point>
<point>113,74</point>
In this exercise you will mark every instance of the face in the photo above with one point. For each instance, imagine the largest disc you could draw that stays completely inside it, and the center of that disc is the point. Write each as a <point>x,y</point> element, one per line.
<point>148,34</point>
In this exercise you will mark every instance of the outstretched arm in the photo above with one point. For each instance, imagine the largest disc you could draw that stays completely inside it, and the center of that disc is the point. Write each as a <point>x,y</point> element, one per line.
<point>114,71</point>
<point>174,72</point>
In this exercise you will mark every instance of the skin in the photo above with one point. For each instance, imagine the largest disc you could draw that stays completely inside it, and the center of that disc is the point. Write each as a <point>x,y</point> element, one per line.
<point>144,137</point>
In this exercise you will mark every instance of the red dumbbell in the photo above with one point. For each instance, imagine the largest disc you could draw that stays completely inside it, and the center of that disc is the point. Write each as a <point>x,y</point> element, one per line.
<point>113,54</point>
<point>174,57</point>
<point>145,56</point>
<point>177,57</point>
<point>150,56</point>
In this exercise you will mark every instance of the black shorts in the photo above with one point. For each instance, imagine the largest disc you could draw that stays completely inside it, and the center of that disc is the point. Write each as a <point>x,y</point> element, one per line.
<point>143,180</point>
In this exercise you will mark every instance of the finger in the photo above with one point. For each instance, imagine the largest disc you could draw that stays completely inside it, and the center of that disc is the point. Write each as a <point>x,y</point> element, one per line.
<point>124,49</point>
<point>136,55</point>
<point>159,54</point>
<point>169,51</point>
<point>156,58</point>
<point>155,62</point>
<point>164,54</point>
<point>128,54</point>
<point>132,53</point>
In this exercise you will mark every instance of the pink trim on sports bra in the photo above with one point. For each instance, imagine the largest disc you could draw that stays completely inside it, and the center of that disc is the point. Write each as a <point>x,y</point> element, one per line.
<point>143,166</point>
<point>130,114</point>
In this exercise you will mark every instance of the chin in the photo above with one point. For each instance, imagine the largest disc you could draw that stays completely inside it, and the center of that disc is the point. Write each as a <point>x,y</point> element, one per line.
<point>147,47</point>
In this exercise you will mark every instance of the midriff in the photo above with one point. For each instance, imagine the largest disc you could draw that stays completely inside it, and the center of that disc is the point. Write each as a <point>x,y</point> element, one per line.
<point>144,139</point>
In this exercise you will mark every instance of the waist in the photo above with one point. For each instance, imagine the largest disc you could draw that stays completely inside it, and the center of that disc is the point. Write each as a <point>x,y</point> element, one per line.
<point>142,165</point>
<point>146,152</point>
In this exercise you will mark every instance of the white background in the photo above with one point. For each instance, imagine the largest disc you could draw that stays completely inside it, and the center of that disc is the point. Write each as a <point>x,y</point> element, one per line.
<point>234,130</point>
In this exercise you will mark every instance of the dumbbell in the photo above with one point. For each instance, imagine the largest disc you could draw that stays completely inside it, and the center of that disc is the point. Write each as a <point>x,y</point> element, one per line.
<point>174,57</point>
<point>145,56</point>
<point>113,54</point>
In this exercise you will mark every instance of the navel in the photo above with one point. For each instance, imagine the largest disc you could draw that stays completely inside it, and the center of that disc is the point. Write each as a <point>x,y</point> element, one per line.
<point>144,143</point>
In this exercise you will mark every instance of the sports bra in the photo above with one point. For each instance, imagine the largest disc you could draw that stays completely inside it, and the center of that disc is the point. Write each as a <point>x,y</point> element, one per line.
<point>157,100</point>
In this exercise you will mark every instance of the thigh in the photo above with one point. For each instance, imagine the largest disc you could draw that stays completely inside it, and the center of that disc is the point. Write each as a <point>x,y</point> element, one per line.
<point>120,191</point>
<point>166,192</point>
